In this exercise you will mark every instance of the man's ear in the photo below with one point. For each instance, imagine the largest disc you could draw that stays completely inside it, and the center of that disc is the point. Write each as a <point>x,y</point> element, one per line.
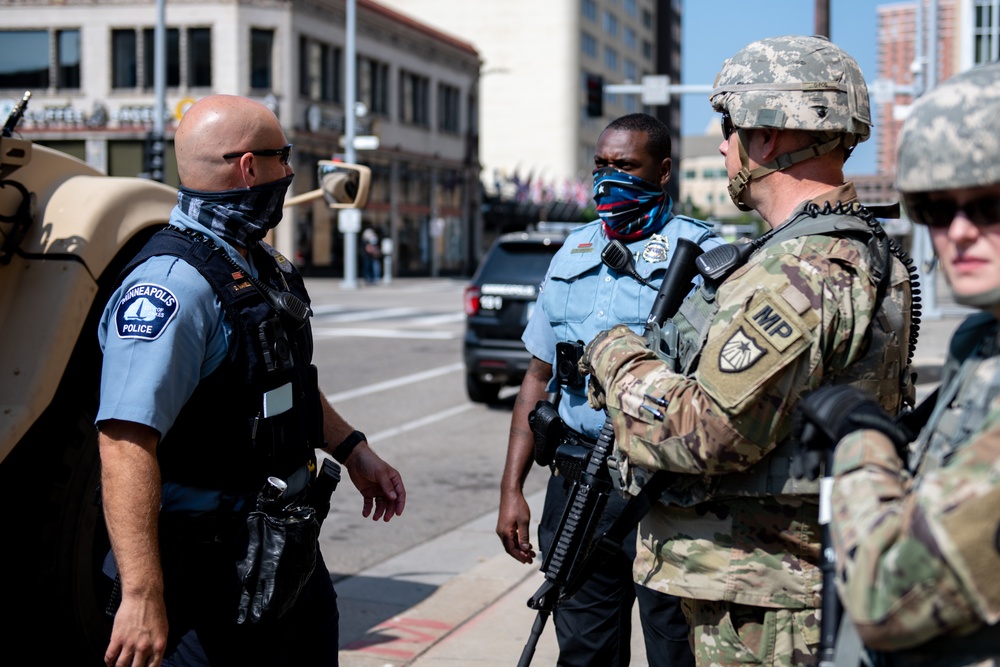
<point>665,167</point>
<point>769,139</point>
<point>248,170</point>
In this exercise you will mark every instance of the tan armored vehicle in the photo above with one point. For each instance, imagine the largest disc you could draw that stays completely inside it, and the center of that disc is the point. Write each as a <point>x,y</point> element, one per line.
<point>66,231</point>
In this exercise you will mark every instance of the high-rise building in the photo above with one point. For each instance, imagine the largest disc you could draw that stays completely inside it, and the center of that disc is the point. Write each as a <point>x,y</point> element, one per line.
<point>904,62</point>
<point>538,59</point>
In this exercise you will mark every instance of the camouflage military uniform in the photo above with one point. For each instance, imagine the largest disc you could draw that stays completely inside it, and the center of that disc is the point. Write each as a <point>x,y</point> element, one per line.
<point>794,317</point>
<point>918,540</point>
<point>918,558</point>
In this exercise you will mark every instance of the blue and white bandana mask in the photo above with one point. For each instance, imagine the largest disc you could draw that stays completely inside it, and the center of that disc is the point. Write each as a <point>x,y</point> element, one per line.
<point>241,217</point>
<point>630,207</point>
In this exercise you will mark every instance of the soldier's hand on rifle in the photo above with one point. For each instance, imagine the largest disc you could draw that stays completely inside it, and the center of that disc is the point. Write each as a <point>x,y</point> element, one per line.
<point>604,355</point>
<point>827,415</point>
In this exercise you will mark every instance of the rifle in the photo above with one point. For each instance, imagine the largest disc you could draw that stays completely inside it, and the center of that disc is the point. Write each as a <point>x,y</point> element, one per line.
<point>573,555</point>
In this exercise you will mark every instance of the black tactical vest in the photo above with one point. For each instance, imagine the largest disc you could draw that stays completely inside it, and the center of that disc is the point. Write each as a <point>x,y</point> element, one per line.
<point>234,431</point>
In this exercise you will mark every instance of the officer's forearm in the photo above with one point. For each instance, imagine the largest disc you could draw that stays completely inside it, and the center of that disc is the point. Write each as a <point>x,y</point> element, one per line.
<point>130,484</point>
<point>335,427</point>
<point>521,442</point>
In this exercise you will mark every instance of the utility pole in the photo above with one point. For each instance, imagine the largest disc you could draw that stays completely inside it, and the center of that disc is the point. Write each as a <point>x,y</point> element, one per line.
<point>822,18</point>
<point>349,220</point>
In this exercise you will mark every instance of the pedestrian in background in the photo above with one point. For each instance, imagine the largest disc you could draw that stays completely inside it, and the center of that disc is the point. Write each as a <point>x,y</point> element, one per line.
<point>579,297</point>
<point>371,256</point>
<point>818,299</point>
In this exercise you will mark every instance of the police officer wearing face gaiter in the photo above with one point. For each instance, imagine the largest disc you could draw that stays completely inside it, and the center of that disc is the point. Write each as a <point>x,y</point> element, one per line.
<point>208,390</point>
<point>580,297</point>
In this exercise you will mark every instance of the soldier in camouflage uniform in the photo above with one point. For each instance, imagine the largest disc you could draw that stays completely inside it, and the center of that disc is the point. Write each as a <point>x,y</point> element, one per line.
<point>818,299</point>
<point>916,527</point>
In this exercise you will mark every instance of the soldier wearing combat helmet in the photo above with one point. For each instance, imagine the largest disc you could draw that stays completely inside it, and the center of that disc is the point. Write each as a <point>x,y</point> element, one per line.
<point>822,298</point>
<point>915,526</point>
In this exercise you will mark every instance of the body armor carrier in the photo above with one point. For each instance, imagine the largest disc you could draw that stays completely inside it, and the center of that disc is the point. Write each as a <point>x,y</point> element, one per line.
<point>883,371</point>
<point>259,413</point>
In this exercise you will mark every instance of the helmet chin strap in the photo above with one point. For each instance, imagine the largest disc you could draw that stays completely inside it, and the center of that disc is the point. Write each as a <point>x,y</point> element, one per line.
<point>739,182</point>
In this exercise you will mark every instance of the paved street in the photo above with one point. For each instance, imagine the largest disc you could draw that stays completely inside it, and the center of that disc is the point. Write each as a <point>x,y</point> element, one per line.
<point>390,360</point>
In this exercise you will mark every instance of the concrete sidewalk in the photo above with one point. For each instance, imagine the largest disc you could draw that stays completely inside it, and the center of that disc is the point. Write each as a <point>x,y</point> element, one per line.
<point>477,617</point>
<point>469,601</point>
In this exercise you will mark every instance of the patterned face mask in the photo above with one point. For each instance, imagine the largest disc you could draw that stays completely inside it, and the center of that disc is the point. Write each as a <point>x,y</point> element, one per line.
<point>630,207</point>
<point>242,217</point>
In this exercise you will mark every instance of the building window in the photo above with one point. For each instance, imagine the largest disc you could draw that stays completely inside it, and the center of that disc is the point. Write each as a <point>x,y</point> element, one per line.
<point>630,38</point>
<point>588,45</point>
<point>449,108</point>
<point>319,71</point>
<point>199,54</point>
<point>67,59</point>
<point>131,48</point>
<point>413,104</point>
<point>610,24</point>
<point>261,49</point>
<point>647,19</point>
<point>33,67</point>
<point>631,9</point>
<point>588,9</point>
<point>173,70</point>
<point>630,70</point>
<point>647,49</point>
<point>986,33</point>
<point>373,85</point>
<point>123,59</point>
<point>610,58</point>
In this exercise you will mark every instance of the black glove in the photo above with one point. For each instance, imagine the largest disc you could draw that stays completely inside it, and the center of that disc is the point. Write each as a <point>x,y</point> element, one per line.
<point>827,415</point>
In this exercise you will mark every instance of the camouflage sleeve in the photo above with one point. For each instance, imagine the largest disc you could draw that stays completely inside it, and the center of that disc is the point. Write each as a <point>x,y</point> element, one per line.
<point>781,322</point>
<point>916,560</point>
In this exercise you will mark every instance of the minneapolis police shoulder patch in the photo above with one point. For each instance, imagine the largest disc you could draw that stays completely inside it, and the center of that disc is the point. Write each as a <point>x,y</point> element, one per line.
<point>144,311</point>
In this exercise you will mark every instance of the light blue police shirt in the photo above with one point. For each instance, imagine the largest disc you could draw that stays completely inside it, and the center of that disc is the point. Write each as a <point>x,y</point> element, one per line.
<point>162,331</point>
<point>581,297</point>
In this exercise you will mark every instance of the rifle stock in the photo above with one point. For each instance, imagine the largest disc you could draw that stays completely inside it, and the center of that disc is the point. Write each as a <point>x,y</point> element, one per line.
<point>567,564</point>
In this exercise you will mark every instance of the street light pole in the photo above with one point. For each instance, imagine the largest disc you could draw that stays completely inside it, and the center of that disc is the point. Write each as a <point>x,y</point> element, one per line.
<point>350,102</point>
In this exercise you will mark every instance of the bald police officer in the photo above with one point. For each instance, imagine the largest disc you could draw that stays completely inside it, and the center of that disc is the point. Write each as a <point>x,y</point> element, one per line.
<point>818,299</point>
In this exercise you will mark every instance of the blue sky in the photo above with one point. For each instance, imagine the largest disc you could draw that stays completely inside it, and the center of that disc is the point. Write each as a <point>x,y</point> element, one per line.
<point>713,30</point>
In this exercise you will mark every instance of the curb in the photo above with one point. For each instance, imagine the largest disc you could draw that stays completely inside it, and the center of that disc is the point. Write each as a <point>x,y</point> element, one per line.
<point>407,636</point>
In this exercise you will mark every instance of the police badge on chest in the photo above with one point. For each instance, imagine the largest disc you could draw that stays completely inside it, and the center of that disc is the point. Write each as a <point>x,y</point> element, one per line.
<point>656,249</point>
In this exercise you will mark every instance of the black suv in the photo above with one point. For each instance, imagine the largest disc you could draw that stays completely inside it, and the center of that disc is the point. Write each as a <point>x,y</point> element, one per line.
<point>498,302</point>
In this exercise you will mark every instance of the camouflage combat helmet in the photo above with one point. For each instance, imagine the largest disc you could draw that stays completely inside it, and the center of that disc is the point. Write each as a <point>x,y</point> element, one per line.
<point>951,138</point>
<point>793,83</point>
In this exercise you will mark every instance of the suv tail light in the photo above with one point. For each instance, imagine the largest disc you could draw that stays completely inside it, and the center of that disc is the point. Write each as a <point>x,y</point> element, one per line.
<point>471,299</point>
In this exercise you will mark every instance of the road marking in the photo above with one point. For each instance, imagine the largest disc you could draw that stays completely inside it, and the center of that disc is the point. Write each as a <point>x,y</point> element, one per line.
<point>371,314</point>
<point>430,320</point>
<point>323,332</point>
<point>395,382</point>
<point>419,423</point>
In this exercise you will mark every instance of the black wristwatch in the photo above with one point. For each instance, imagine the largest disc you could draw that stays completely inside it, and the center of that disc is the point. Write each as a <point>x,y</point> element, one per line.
<point>344,449</point>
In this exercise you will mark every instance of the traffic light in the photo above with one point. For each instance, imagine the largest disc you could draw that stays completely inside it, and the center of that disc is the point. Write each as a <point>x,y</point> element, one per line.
<point>154,157</point>
<point>595,95</point>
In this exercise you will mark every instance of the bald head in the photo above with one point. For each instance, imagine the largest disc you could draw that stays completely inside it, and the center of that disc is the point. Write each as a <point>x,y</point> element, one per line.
<point>221,124</point>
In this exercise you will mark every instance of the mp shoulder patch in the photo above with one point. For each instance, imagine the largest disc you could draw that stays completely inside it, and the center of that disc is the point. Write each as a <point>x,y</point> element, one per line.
<point>144,311</point>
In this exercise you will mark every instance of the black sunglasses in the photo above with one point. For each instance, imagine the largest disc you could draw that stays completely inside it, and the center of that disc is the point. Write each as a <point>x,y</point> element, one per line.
<point>939,213</point>
<point>285,153</point>
<point>727,126</point>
